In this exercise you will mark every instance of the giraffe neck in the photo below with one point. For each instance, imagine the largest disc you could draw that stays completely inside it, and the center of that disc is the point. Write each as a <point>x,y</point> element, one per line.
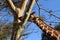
<point>46,28</point>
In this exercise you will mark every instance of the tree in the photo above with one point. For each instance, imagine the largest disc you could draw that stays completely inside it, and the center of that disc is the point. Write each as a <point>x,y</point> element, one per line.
<point>19,8</point>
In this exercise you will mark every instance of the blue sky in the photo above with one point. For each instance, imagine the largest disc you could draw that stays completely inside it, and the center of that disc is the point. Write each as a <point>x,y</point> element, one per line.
<point>46,4</point>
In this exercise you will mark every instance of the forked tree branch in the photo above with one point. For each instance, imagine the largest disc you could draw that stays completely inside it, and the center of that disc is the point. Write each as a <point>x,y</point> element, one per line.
<point>19,11</point>
<point>21,28</point>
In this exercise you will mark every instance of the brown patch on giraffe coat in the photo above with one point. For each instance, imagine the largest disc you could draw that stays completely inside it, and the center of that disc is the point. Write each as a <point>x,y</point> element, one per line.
<point>44,30</point>
<point>55,33</point>
<point>45,26</point>
<point>49,33</point>
<point>59,37</point>
<point>50,29</point>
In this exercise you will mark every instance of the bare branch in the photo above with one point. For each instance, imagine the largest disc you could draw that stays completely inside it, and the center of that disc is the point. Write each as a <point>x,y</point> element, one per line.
<point>21,10</point>
<point>11,4</point>
<point>24,4</point>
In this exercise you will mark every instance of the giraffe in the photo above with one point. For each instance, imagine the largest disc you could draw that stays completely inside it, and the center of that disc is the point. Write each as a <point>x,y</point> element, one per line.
<point>43,26</point>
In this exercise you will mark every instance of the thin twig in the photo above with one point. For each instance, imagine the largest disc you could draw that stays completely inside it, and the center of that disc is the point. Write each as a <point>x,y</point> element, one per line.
<point>38,7</point>
<point>11,4</point>
<point>50,12</point>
